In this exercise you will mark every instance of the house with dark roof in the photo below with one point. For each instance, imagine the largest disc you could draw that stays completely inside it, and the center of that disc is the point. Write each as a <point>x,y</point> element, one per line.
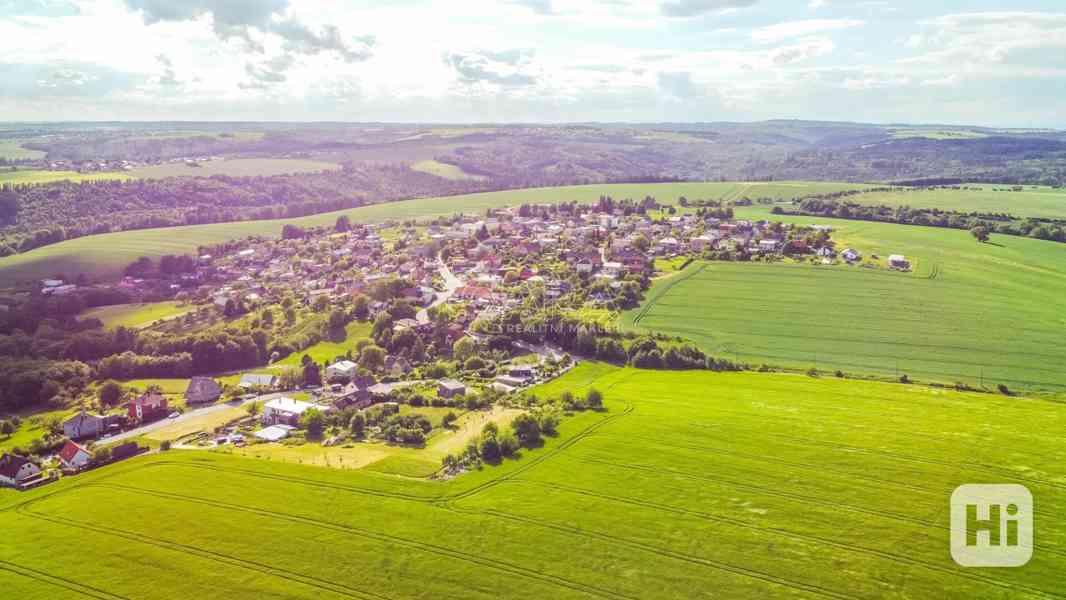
<point>14,470</point>
<point>258,380</point>
<point>202,390</point>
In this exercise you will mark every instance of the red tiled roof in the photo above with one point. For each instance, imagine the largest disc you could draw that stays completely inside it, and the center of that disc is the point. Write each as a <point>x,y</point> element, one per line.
<point>69,451</point>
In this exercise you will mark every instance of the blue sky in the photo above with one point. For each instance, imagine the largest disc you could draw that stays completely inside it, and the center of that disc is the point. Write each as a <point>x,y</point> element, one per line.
<point>972,62</point>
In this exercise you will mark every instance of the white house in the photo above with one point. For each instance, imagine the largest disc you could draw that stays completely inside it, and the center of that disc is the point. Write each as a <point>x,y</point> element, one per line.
<point>15,469</point>
<point>344,369</point>
<point>285,411</point>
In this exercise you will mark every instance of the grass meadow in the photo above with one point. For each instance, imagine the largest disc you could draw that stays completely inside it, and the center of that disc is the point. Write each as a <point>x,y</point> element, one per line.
<point>688,485</point>
<point>105,256</point>
<point>969,312</point>
<point>445,170</point>
<point>36,176</point>
<point>13,149</point>
<point>1030,201</point>
<point>137,316</point>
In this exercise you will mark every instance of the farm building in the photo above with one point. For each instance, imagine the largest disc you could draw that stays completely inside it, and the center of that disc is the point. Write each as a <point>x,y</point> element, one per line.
<point>74,457</point>
<point>285,411</point>
<point>449,388</point>
<point>148,407</point>
<point>898,261</point>
<point>344,369</point>
<point>124,451</point>
<point>258,380</point>
<point>274,433</point>
<point>14,470</point>
<point>202,390</point>
<point>512,382</point>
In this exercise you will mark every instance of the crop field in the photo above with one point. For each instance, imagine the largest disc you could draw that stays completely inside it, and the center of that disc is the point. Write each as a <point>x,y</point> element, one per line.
<point>105,256</point>
<point>970,312</point>
<point>35,176</point>
<point>688,485</point>
<point>1031,201</point>
<point>236,167</point>
<point>136,315</point>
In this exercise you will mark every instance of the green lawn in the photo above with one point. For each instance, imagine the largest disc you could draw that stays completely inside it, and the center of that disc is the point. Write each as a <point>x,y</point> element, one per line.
<point>689,485</point>
<point>136,315</point>
<point>968,312</point>
<point>105,256</point>
<point>325,351</point>
<point>1031,201</point>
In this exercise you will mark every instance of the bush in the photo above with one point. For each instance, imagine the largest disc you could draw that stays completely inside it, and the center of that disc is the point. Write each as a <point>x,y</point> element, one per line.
<point>508,443</point>
<point>448,420</point>
<point>839,373</point>
<point>548,423</point>
<point>1003,389</point>
<point>594,399</point>
<point>904,379</point>
<point>526,429</point>
<point>164,445</point>
<point>489,448</point>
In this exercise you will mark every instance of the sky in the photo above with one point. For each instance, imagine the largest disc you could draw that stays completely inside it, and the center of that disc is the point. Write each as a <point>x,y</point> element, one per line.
<point>883,61</point>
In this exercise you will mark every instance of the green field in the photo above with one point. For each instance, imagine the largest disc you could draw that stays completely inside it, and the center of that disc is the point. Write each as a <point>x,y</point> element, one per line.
<point>968,312</point>
<point>105,256</point>
<point>13,149</point>
<point>236,167</point>
<point>32,176</point>
<point>326,350</point>
<point>690,485</point>
<point>445,170</point>
<point>136,315</point>
<point>1032,201</point>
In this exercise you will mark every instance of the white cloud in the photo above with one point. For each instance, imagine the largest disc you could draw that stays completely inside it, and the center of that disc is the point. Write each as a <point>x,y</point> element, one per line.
<point>791,29</point>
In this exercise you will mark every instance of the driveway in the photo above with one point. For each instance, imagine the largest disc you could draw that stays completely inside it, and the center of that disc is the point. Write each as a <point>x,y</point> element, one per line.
<point>185,416</point>
<point>451,283</point>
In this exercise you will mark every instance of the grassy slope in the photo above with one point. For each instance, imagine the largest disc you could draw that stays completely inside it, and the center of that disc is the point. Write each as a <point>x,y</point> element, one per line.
<point>13,149</point>
<point>445,170</point>
<point>1033,201</point>
<point>136,315</point>
<point>968,310</point>
<point>104,256</point>
<point>237,167</point>
<point>325,351</point>
<point>692,485</point>
<point>31,176</point>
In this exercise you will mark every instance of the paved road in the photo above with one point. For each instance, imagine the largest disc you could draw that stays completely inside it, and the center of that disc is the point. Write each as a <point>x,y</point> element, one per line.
<point>185,416</point>
<point>451,283</point>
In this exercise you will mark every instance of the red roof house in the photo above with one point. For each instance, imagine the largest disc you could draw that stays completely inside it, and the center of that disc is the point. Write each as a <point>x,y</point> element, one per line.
<point>74,457</point>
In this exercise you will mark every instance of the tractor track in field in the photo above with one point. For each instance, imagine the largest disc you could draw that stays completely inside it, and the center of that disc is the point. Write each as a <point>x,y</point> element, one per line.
<point>987,469</point>
<point>665,289</point>
<point>822,468</point>
<point>805,499</point>
<point>218,557</point>
<point>56,581</point>
<point>664,552</point>
<point>762,490</point>
<point>322,524</point>
<point>799,536</point>
<point>787,463</point>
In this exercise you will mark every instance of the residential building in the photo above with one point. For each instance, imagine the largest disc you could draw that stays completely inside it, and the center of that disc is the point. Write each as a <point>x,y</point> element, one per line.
<point>74,457</point>
<point>202,390</point>
<point>14,470</point>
